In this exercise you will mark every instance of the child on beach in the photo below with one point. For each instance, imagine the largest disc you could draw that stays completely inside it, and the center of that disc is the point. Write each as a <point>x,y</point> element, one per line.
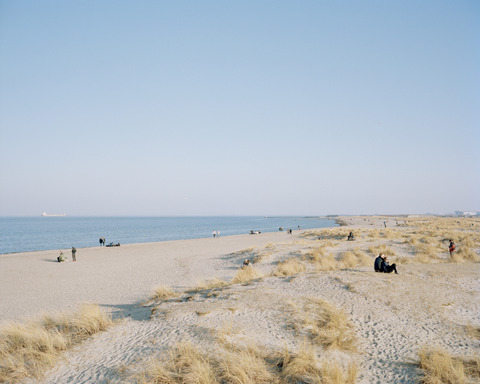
<point>451,247</point>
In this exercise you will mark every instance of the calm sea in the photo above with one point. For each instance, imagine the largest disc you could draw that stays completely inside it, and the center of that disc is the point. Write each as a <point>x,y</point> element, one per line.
<point>22,234</point>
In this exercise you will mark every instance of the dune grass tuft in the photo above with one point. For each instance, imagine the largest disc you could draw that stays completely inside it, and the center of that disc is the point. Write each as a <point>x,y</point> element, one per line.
<point>327,263</point>
<point>440,367</point>
<point>162,293</point>
<point>464,254</point>
<point>288,268</point>
<point>182,364</point>
<point>248,364</point>
<point>354,259</point>
<point>375,250</point>
<point>247,274</point>
<point>28,350</point>
<point>324,324</point>
<point>208,285</point>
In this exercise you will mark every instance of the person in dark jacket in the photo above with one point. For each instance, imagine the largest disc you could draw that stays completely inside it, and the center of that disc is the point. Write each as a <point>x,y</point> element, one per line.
<point>382,264</point>
<point>387,268</point>
<point>378,263</point>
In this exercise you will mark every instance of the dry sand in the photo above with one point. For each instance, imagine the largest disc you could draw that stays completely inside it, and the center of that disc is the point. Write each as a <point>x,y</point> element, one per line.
<point>393,315</point>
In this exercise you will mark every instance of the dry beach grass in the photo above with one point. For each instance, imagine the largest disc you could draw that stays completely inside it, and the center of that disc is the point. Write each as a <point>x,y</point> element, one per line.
<point>309,309</point>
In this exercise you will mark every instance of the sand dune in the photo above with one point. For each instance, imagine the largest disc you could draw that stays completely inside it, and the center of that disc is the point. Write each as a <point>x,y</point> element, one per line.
<point>392,316</point>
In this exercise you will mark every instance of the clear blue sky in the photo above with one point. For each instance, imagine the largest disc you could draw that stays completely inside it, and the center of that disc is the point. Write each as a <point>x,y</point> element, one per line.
<point>239,107</point>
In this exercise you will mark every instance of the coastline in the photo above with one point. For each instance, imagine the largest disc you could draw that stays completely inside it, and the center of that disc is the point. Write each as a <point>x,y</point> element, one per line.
<point>34,282</point>
<point>432,302</point>
<point>32,234</point>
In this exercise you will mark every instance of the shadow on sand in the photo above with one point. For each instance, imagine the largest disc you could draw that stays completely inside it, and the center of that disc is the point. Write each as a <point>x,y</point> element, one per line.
<point>135,312</point>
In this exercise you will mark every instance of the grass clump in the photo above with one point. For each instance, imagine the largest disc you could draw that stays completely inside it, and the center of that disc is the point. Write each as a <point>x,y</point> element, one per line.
<point>229,364</point>
<point>327,263</point>
<point>356,258</point>
<point>325,325</point>
<point>28,350</point>
<point>464,254</point>
<point>288,268</point>
<point>245,365</point>
<point>247,274</point>
<point>182,364</point>
<point>375,250</point>
<point>208,285</point>
<point>324,261</point>
<point>441,367</point>
<point>162,293</point>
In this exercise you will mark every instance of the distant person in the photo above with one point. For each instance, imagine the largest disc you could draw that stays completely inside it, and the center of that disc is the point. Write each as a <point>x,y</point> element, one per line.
<point>246,263</point>
<point>218,233</point>
<point>214,234</point>
<point>351,237</point>
<point>451,247</point>
<point>60,257</point>
<point>385,224</point>
<point>74,254</point>
<point>102,241</point>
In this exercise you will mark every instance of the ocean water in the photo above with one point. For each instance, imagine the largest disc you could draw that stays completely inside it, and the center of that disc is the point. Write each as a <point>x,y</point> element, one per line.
<point>23,234</point>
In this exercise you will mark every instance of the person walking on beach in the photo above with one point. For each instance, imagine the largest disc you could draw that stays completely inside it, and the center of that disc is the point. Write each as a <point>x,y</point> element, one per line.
<point>74,256</point>
<point>214,234</point>
<point>102,241</point>
<point>451,247</point>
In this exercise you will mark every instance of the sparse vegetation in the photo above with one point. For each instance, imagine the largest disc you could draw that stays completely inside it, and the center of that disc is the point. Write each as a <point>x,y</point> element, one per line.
<point>247,274</point>
<point>208,285</point>
<point>439,366</point>
<point>161,293</point>
<point>324,324</point>
<point>28,350</point>
<point>375,250</point>
<point>184,364</point>
<point>289,267</point>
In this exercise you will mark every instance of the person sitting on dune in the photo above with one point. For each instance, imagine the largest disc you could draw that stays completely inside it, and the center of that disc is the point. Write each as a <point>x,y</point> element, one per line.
<point>246,263</point>
<point>378,263</point>
<point>387,268</point>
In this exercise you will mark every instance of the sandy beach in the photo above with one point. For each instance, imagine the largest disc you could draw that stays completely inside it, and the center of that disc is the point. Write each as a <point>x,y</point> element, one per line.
<point>432,302</point>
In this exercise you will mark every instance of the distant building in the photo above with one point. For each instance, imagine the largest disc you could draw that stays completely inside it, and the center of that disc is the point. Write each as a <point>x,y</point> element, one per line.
<point>466,213</point>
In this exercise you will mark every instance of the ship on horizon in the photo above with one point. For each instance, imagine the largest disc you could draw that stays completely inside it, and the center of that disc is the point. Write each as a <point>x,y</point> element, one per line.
<point>45,214</point>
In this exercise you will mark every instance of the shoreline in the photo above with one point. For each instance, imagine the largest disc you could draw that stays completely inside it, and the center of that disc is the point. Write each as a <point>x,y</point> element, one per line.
<point>140,230</point>
<point>431,302</point>
<point>34,282</point>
